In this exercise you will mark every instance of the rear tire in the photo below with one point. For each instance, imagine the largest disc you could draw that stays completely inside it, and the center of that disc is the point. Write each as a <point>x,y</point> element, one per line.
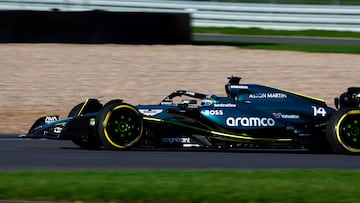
<point>343,131</point>
<point>119,125</point>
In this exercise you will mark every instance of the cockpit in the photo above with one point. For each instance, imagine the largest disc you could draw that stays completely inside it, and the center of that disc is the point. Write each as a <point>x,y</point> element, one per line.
<point>208,100</point>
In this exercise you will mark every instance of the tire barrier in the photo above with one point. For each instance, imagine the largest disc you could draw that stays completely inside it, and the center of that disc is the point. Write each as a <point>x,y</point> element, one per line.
<point>23,26</point>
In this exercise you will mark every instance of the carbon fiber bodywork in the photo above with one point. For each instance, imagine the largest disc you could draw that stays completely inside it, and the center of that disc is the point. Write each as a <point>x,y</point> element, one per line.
<point>249,116</point>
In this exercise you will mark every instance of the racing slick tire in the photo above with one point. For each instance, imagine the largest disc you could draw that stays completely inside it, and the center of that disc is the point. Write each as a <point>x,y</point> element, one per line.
<point>90,141</point>
<point>119,125</point>
<point>343,131</point>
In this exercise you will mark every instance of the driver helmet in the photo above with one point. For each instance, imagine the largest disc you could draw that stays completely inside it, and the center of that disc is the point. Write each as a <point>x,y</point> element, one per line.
<point>209,100</point>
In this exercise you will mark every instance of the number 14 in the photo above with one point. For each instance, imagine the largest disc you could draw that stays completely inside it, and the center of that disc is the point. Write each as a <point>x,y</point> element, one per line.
<point>319,111</point>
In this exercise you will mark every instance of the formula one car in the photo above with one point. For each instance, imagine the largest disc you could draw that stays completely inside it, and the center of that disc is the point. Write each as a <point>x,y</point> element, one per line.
<point>249,116</point>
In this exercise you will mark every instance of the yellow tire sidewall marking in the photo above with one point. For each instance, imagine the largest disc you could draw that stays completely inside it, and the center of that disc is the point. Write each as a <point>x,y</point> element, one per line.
<point>107,117</point>
<point>337,130</point>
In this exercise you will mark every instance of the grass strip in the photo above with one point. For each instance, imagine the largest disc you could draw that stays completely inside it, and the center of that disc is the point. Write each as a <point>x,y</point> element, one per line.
<point>264,32</point>
<point>183,186</point>
<point>323,48</point>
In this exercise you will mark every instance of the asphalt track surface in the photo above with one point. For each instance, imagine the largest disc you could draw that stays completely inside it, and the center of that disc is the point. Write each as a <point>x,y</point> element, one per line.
<point>41,154</point>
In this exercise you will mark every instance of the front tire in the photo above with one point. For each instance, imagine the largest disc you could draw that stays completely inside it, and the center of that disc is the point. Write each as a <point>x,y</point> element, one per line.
<point>119,125</point>
<point>343,131</point>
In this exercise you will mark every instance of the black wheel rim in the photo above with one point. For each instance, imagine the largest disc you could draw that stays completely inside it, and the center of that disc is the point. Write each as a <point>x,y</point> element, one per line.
<point>123,126</point>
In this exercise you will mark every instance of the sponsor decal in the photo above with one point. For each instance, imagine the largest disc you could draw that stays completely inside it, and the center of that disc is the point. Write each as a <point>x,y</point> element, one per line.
<point>268,96</point>
<point>214,112</point>
<point>286,116</point>
<point>58,129</point>
<point>229,105</point>
<point>172,140</point>
<point>190,93</point>
<point>150,112</point>
<point>243,87</point>
<point>166,103</point>
<point>50,119</point>
<point>250,122</point>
